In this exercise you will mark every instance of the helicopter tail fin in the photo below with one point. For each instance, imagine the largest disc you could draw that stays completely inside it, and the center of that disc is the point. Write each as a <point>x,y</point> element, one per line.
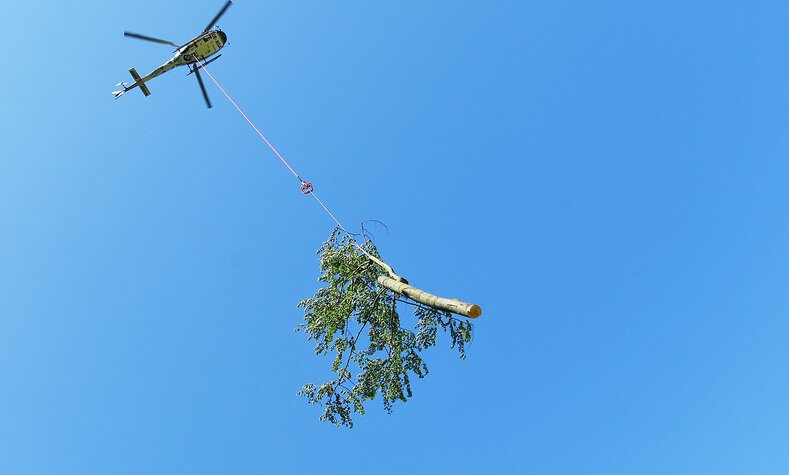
<point>139,82</point>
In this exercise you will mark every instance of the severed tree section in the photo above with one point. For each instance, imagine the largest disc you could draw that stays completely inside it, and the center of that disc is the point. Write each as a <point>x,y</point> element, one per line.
<point>438,303</point>
<point>355,318</point>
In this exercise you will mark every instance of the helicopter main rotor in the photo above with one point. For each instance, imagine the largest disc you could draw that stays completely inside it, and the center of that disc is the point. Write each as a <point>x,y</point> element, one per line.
<point>148,38</point>
<point>218,16</point>
<point>202,87</point>
<point>152,39</point>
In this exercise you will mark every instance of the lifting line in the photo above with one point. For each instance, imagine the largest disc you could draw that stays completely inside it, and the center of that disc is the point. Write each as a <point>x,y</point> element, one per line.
<point>306,187</point>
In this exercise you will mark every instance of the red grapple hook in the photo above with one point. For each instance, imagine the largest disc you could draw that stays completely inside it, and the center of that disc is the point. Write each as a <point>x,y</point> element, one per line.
<point>306,187</point>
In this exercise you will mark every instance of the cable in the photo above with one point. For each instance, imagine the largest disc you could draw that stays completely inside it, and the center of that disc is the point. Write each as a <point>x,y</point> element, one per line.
<point>330,213</point>
<point>306,187</point>
<point>250,123</point>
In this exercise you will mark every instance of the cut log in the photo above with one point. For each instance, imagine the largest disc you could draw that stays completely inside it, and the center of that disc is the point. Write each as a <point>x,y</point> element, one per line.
<point>439,303</point>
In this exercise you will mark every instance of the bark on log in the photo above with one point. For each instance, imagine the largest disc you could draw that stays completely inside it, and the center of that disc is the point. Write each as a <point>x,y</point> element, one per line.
<point>439,303</point>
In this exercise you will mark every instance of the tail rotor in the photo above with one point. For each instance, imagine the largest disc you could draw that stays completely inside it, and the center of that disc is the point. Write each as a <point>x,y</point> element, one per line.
<point>119,93</point>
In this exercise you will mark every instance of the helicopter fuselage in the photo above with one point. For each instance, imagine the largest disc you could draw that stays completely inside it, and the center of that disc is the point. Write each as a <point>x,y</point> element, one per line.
<point>193,54</point>
<point>197,49</point>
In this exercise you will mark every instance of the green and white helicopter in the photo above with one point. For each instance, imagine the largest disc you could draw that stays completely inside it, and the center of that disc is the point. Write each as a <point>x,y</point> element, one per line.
<point>194,55</point>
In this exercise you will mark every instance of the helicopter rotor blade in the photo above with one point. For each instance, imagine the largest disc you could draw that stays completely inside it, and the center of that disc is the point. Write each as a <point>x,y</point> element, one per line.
<point>202,86</point>
<point>218,15</point>
<point>148,38</point>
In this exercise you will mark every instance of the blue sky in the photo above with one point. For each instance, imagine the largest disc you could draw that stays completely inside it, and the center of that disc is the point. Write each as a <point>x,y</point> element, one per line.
<point>608,180</point>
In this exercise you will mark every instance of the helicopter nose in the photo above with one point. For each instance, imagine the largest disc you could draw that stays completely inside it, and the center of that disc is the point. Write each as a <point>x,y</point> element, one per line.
<point>223,36</point>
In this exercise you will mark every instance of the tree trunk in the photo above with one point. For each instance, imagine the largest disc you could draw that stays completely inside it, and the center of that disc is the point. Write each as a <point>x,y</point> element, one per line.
<point>439,303</point>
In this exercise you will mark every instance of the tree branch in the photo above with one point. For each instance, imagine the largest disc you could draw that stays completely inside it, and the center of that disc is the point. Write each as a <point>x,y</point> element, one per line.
<point>439,303</point>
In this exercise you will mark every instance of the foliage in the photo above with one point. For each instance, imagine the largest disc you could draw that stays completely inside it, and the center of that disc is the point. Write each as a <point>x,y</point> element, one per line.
<point>357,321</point>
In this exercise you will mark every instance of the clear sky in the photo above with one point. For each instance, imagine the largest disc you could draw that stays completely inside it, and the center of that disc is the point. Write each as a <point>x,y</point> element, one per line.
<point>608,180</point>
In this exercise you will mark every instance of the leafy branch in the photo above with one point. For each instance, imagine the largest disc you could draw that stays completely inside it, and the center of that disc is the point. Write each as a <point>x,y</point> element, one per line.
<point>357,320</point>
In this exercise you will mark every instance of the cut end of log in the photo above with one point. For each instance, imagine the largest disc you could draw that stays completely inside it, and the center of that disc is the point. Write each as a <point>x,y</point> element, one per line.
<point>475,311</point>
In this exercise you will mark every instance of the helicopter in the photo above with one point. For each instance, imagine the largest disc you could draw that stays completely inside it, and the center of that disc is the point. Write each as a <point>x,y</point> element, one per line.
<point>193,54</point>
